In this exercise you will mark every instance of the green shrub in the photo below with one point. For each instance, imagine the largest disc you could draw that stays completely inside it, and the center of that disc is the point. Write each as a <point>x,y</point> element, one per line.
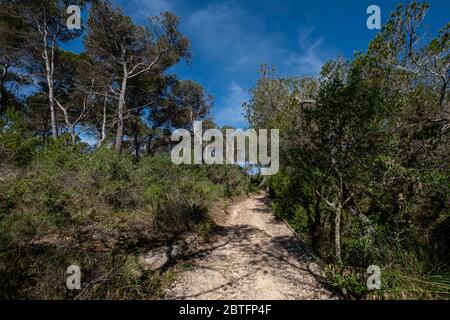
<point>95,209</point>
<point>351,282</point>
<point>17,144</point>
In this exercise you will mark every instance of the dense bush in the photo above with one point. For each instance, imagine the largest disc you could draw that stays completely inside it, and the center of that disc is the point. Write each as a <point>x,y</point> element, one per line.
<point>364,151</point>
<point>74,206</point>
<point>17,143</point>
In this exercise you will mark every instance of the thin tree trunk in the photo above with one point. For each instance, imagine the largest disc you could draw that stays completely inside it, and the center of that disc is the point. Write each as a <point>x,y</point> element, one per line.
<point>52,108</point>
<point>263,182</point>
<point>316,224</point>
<point>340,203</point>
<point>337,234</point>
<point>73,135</point>
<point>49,66</point>
<point>337,207</point>
<point>121,112</point>
<point>307,207</point>
<point>149,144</point>
<point>103,132</point>
<point>70,125</point>
<point>137,145</point>
<point>443,94</point>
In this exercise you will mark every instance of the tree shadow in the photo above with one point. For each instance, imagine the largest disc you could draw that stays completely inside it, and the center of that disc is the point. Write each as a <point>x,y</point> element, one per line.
<point>282,257</point>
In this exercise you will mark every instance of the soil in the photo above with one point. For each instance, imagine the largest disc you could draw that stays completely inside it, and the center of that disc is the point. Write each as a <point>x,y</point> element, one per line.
<point>251,256</point>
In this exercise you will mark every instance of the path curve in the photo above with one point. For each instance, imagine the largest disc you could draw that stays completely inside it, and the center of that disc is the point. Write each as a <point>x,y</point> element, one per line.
<point>251,257</point>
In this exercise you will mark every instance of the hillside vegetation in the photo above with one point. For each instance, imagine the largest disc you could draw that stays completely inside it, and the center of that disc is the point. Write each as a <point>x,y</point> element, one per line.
<point>365,148</point>
<point>86,176</point>
<point>99,210</point>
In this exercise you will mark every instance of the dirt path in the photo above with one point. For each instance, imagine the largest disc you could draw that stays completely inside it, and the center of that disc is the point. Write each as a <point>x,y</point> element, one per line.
<point>251,257</point>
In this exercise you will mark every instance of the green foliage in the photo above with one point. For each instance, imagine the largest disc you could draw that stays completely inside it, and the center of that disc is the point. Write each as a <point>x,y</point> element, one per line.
<point>17,144</point>
<point>364,152</point>
<point>351,282</point>
<point>61,201</point>
<point>95,209</point>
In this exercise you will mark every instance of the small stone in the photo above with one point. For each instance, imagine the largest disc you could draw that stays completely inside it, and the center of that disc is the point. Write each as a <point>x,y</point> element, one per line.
<point>155,259</point>
<point>178,249</point>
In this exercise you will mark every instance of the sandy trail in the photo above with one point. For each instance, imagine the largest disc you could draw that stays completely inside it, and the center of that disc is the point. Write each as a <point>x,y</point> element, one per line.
<point>251,257</point>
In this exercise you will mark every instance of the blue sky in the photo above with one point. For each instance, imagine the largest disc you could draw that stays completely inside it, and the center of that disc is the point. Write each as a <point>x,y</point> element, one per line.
<point>231,39</point>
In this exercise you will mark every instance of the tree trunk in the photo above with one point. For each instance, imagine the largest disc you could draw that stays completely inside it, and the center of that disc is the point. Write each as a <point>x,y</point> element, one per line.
<point>49,66</point>
<point>306,205</point>
<point>137,145</point>
<point>337,234</point>
<point>103,132</point>
<point>316,224</point>
<point>52,109</point>
<point>70,126</point>
<point>263,182</point>
<point>73,136</point>
<point>121,113</point>
<point>149,144</point>
<point>443,94</point>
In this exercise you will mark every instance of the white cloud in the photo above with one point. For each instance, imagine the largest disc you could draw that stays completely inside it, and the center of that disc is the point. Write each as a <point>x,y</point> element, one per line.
<point>240,42</point>
<point>216,27</point>
<point>237,43</point>
<point>230,111</point>
<point>227,33</point>
<point>146,8</point>
<point>311,57</point>
<point>230,43</point>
